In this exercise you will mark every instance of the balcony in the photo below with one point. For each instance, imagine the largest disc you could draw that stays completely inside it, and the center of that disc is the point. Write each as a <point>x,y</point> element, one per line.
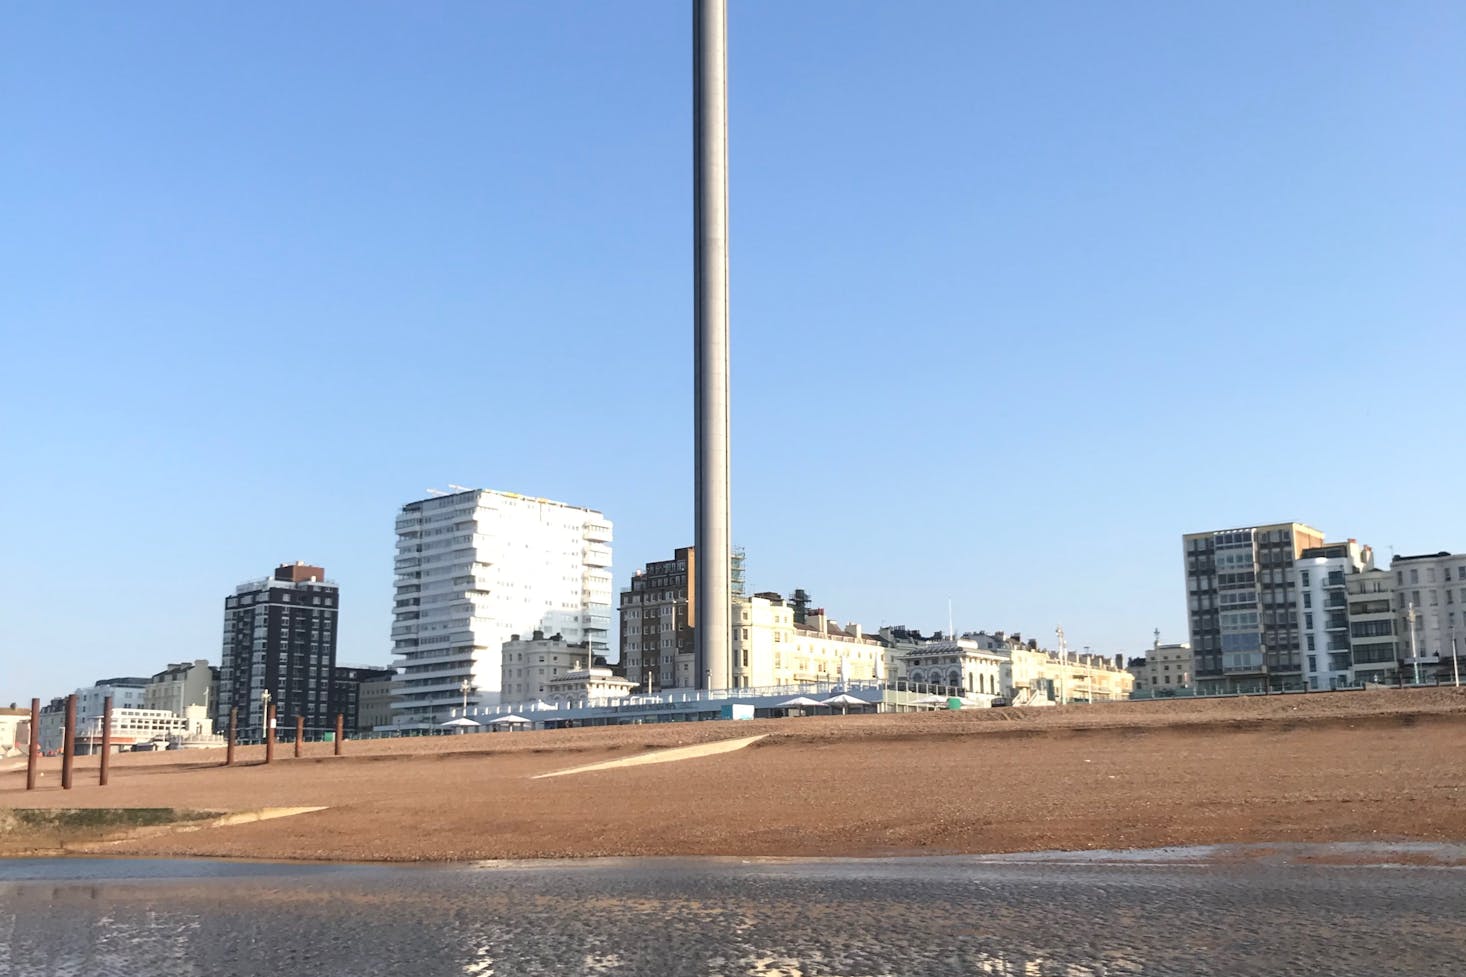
<point>1240,662</point>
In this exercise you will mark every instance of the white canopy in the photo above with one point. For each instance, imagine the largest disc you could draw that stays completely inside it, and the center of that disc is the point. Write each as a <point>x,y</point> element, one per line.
<point>511,721</point>
<point>798,702</point>
<point>460,721</point>
<point>844,699</point>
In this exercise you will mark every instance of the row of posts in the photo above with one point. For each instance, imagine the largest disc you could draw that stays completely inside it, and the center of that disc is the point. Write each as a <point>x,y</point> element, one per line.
<point>68,743</point>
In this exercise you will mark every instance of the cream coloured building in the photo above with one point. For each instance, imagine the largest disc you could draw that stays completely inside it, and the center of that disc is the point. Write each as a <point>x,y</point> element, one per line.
<point>182,685</point>
<point>1165,669</point>
<point>588,686</point>
<point>1039,673</point>
<point>961,667</point>
<point>530,666</point>
<point>771,648</point>
<point>15,731</point>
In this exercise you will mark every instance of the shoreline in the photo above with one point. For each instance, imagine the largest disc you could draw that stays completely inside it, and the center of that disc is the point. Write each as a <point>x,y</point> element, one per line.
<point>1333,854</point>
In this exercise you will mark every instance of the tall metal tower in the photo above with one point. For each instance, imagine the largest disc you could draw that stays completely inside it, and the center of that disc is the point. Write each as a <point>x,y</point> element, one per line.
<point>710,276</point>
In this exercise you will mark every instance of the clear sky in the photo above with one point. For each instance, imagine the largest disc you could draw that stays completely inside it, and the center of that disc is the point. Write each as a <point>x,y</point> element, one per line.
<point>1020,293</point>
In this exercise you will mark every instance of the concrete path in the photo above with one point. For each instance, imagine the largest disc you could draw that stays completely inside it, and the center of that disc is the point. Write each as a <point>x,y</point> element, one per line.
<point>660,756</point>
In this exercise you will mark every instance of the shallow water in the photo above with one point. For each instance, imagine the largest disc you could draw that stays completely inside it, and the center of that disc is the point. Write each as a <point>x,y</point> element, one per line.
<point>856,918</point>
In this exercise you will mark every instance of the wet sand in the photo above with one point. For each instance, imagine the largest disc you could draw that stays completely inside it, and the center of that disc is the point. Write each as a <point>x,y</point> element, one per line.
<point>720,918</point>
<point>1343,767</point>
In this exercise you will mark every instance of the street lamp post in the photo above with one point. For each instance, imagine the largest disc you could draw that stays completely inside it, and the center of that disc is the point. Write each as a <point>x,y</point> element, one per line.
<point>267,727</point>
<point>465,687</point>
<point>1455,662</point>
<point>1414,654</point>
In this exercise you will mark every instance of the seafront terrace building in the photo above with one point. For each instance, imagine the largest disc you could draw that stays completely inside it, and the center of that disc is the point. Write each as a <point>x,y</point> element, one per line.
<point>182,685</point>
<point>1165,670</point>
<point>531,664</point>
<point>961,666</point>
<point>771,648</point>
<point>1434,586</point>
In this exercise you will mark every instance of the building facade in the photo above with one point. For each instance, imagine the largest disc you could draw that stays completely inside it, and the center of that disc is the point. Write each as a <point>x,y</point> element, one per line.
<point>1434,587</point>
<point>530,664</point>
<point>179,686</point>
<point>1166,670</point>
<point>15,731</point>
<point>587,686</point>
<point>1321,576</point>
<point>657,619</point>
<point>771,648</point>
<point>1242,605</point>
<point>125,692</point>
<point>1373,641</point>
<point>478,566</point>
<point>347,682</point>
<point>160,727</point>
<point>374,703</point>
<point>279,637</point>
<point>960,666</point>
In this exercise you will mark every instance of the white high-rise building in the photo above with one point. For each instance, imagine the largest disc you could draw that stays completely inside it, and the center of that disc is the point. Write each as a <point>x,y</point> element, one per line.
<point>1321,580</point>
<point>475,568</point>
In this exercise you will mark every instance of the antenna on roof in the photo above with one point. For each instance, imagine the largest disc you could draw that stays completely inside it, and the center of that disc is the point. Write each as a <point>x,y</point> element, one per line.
<point>459,488</point>
<point>435,492</point>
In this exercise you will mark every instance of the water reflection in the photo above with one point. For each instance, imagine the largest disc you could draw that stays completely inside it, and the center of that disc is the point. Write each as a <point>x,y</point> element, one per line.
<point>728,920</point>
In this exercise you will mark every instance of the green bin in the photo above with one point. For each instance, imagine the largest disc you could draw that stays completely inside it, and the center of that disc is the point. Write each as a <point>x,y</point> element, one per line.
<point>328,737</point>
<point>953,702</point>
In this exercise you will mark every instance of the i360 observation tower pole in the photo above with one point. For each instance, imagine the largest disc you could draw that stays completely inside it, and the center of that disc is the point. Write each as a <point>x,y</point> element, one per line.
<point>710,270</point>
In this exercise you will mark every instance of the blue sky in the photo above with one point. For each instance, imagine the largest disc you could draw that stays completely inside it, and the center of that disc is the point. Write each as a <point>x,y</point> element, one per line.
<point>1020,293</point>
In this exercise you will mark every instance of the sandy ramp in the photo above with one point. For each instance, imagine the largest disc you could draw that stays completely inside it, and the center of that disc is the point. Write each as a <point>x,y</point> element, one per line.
<point>660,756</point>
